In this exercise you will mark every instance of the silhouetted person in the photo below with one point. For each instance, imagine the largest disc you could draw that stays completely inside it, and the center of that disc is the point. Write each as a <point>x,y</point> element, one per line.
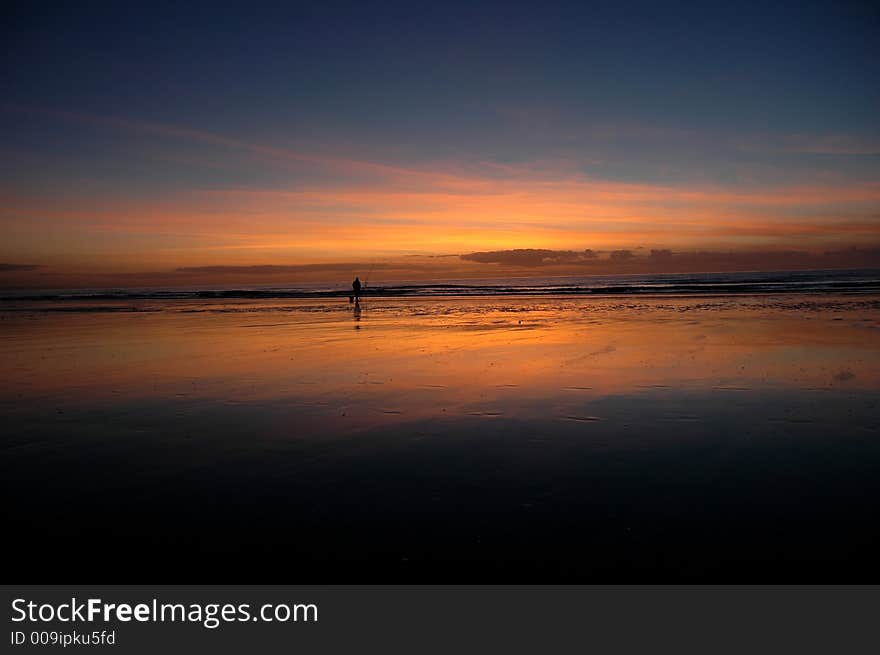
<point>356,287</point>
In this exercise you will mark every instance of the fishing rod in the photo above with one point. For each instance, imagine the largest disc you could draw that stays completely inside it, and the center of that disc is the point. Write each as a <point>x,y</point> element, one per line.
<point>367,278</point>
<point>369,273</point>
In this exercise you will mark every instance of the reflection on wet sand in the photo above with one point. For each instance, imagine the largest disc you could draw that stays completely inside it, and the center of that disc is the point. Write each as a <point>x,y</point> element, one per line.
<point>519,358</point>
<point>586,413</point>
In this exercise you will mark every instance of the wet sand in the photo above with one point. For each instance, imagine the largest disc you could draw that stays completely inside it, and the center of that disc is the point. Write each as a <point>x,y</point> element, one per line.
<point>493,439</point>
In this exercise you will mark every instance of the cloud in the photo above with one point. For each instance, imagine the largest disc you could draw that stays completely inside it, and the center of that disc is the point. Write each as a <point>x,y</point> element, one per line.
<point>668,261</point>
<point>263,269</point>
<point>11,268</point>
<point>812,144</point>
<point>856,251</point>
<point>271,154</point>
<point>530,257</point>
<point>342,207</point>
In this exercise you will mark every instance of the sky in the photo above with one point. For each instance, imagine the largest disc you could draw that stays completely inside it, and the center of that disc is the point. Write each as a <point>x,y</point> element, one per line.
<point>146,143</point>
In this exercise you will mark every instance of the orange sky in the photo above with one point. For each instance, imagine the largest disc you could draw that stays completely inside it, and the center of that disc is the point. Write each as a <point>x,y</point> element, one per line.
<point>137,143</point>
<point>352,209</point>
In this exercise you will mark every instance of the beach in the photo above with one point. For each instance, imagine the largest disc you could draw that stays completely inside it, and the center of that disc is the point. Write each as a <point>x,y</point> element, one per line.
<point>534,438</point>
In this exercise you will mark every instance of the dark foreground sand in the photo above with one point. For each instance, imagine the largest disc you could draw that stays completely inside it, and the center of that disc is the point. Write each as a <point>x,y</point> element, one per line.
<point>450,440</point>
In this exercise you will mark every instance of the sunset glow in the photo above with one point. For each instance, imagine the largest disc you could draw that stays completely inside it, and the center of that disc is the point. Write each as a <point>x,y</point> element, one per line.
<point>421,163</point>
<point>412,293</point>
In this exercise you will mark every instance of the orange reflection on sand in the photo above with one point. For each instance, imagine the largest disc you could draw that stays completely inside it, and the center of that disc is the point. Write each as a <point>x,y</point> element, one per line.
<point>408,359</point>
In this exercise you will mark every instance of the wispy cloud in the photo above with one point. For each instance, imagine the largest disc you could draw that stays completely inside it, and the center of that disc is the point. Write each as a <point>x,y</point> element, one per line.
<point>812,144</point>
<point>530,257</point>
<point>669,261</point>
<point>11,268</point>
<point>370,207</point>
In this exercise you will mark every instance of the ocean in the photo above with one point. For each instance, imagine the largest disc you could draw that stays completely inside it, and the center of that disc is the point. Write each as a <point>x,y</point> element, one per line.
<point>862,281</point>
